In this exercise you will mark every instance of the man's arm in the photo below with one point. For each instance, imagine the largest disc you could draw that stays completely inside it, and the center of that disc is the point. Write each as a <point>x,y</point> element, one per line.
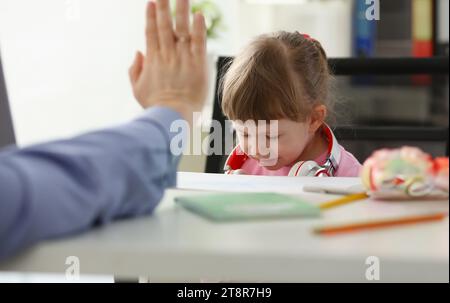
<point>67,186</point>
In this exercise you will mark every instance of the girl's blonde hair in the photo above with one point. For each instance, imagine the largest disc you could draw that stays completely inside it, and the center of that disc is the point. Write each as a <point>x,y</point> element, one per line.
<point>281,75</point>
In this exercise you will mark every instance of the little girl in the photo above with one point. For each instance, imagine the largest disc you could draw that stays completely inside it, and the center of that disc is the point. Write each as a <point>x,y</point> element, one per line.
<point>284,77</point>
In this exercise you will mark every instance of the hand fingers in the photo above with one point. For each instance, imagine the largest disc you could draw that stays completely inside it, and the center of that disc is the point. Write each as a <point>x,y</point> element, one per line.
<point>165,27</point>
<point>136,68</point>
<point>198,43</point>
<point>182,19</point>
<point>151,31</point>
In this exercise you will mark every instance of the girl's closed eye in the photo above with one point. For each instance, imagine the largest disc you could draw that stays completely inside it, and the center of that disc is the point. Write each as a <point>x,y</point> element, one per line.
<point>273,137</point>
<point>268,137</point>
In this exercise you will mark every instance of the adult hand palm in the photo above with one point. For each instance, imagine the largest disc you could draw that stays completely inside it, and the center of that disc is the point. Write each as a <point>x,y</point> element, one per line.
<point>173,72</point>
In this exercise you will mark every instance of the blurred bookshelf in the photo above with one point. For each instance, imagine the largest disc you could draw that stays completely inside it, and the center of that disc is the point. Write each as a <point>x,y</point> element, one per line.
<point>418,28</point>
<point>414,29</point>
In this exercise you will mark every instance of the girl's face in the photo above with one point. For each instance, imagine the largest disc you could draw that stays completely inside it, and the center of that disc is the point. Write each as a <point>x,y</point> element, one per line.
<point>275,147</point>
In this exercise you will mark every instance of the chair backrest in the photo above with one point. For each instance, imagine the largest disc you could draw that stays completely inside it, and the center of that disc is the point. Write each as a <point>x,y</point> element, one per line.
<point>361,140</point>
<point>6,127</point>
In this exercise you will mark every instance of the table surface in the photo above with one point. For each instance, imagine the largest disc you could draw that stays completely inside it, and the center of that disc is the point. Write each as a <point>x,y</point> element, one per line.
<point>176,245</point>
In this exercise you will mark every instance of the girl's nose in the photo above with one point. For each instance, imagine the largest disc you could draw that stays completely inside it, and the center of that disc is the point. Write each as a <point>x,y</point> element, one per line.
<point>256,152</point>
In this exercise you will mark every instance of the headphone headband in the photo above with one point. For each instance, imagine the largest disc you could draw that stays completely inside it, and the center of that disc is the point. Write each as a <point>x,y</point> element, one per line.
<point>334,152</point>
<point>236,159</point>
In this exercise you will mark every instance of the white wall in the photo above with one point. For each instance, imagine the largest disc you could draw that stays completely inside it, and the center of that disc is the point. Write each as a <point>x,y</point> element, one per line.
<point>327,21</point>
<point>443,8</point>
<point>66,63</point>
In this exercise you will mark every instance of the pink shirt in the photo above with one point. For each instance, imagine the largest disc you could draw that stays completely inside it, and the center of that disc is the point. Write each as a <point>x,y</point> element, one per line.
<point>349,166</point>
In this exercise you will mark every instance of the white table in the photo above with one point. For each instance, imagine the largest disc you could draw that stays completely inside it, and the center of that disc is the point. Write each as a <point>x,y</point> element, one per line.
<point>175,245</point>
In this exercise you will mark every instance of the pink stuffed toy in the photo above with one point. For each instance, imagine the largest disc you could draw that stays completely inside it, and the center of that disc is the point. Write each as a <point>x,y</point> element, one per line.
<point>405,173</point>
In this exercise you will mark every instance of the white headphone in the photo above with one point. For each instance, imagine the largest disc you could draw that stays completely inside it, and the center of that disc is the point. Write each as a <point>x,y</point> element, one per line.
<point>310,168</point>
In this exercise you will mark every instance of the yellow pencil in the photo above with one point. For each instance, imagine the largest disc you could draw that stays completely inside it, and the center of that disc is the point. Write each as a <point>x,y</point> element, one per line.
<point>344,200</point>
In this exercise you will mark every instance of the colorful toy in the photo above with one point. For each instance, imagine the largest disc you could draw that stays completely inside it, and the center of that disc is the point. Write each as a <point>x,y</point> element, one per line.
<point>405,173</point>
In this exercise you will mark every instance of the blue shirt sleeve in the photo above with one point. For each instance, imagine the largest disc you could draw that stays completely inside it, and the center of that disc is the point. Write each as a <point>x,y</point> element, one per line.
<point>63,187</point>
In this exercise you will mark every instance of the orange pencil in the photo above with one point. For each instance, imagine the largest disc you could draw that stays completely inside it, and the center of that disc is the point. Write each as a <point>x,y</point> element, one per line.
<point>328,230</point>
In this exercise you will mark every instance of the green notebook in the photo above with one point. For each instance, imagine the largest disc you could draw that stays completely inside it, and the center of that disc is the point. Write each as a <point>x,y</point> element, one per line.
<point>246,206</point>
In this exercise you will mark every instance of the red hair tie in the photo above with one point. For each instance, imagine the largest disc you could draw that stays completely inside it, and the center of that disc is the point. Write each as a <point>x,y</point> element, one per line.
<point>306,36</point>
